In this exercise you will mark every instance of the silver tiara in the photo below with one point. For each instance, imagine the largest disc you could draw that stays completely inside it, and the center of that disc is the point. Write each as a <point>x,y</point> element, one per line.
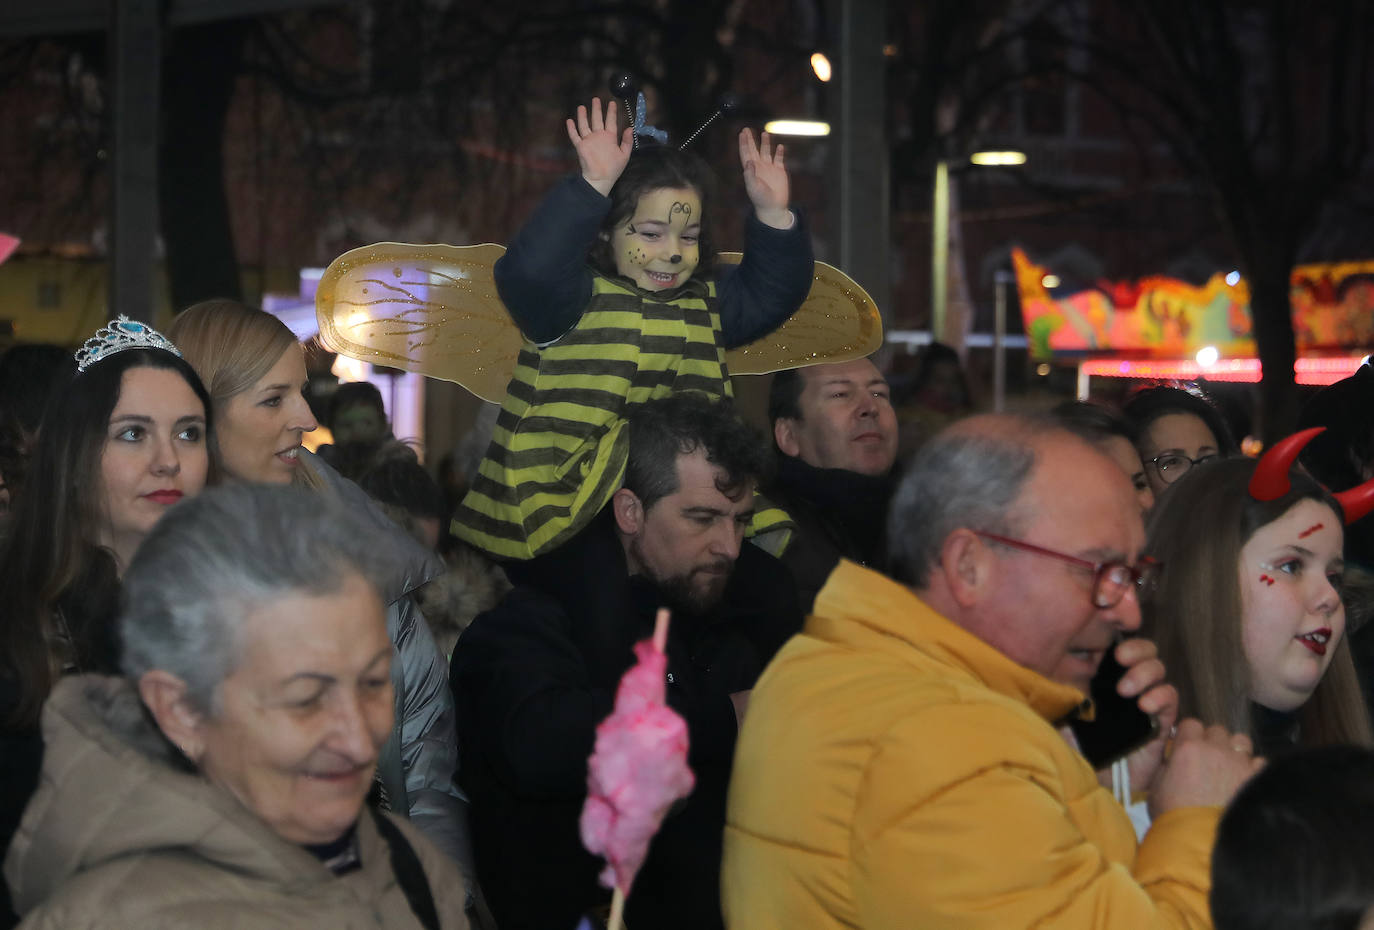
<point>119,335</point>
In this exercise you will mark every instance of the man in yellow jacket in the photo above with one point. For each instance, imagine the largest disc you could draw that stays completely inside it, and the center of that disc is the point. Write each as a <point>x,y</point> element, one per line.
<point>899,766</point>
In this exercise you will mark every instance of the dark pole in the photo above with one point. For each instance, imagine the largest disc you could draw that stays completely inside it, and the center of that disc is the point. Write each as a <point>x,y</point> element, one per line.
<point>136,63</point>
<point>860,143</point>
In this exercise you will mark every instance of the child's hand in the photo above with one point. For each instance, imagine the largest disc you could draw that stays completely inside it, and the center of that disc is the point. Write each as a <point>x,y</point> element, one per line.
<point>765,180</point>
<point>602,158</point>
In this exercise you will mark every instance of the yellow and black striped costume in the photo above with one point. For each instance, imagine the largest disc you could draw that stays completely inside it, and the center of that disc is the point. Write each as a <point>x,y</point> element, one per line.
<point>558,451</point>
<point>596,346</point>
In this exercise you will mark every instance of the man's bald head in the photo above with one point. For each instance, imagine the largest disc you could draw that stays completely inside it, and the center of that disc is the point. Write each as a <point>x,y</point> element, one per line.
<point>972,474</point>
<point>1002,525</point>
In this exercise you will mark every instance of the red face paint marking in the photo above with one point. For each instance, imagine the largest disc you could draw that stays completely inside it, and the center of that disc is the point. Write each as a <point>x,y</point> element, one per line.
<point>1267,580</point>
<point>1310,530</point>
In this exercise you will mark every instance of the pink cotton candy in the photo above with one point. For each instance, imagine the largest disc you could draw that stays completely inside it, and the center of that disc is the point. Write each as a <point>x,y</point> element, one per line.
<point>637,771</point>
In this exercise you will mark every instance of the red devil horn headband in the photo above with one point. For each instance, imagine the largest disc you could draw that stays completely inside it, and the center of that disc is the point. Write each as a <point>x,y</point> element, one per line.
<point>1270,480</point>
<point>1358,501</point>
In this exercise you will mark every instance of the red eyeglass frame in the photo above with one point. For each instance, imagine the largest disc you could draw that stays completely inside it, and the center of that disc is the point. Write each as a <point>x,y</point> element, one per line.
<point>1141,580</point>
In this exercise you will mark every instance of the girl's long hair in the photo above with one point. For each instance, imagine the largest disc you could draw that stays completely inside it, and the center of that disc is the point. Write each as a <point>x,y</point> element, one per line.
<point>1198,530</point>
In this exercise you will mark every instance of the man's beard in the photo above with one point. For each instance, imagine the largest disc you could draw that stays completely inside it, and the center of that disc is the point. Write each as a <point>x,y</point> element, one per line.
<point>695,592</point>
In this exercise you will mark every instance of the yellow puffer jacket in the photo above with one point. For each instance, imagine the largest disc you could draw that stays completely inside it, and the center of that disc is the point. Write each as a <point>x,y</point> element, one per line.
<point>894,771</point>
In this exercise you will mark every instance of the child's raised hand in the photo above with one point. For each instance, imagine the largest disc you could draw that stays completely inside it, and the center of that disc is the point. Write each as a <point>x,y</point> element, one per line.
<point>765,179</point>
<point>600,151</point>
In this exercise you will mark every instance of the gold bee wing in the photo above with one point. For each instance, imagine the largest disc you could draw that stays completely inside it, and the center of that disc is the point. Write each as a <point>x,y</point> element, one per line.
<point>430,309</point>
<point>838,322</point>
<point>433,309</point>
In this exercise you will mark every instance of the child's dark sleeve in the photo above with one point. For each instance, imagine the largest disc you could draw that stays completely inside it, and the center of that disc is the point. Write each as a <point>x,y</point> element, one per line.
<point>543,278</point>
<point>768,285</point>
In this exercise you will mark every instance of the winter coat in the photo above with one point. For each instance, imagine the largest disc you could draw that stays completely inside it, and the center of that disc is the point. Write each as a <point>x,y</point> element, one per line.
<point>895,771</point>
<point>117,836</point>
<point>417,764</point>
<point>837,514</point>
<point>534,677</point>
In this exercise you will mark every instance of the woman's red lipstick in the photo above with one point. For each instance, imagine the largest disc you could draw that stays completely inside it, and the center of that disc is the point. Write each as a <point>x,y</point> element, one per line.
<point>1316,640</point>
<point>166,497</point>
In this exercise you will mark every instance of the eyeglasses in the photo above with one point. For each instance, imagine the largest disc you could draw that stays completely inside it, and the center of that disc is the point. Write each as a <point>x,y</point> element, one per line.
<point>1111,580</point>
<point>1172,466</point>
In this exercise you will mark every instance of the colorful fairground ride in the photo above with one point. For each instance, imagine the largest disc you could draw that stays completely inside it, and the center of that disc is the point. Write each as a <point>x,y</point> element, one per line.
<point>1162,328</point>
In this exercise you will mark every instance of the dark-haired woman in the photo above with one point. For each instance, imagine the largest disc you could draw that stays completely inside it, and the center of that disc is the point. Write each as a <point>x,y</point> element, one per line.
<point>1176,429</point>
<point>126,441</point>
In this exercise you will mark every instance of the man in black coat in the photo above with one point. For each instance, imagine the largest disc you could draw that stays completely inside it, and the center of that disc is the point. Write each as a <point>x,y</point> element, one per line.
<point>533,677</point>
<point>836,435</point>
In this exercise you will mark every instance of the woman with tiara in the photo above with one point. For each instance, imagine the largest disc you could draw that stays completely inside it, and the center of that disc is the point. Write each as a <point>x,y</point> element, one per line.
<point>124,440</point>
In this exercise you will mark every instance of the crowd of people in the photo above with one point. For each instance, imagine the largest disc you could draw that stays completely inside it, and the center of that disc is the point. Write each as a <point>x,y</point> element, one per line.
<point>247,685</point>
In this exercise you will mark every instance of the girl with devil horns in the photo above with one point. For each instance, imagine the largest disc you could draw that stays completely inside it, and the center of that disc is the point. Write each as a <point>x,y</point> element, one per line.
<point>1248,614</point>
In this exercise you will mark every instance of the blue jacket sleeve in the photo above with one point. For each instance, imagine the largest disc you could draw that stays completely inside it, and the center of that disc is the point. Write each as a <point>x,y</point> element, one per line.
<point>543,278</point>
<point>768,285</point>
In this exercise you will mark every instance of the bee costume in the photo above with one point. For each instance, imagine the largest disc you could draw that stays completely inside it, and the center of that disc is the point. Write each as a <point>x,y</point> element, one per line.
<point>570,351</point>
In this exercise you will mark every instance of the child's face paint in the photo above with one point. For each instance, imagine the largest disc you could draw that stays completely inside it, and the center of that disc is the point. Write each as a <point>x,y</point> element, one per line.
<point>657,248</point>
<point>1292,617</point>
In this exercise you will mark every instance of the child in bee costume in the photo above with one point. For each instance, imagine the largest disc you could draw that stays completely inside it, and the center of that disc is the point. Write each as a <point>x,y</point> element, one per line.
<point>617,298</point>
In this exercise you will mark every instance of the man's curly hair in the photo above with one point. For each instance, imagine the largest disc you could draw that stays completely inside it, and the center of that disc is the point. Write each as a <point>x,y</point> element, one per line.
<point>679,424</point>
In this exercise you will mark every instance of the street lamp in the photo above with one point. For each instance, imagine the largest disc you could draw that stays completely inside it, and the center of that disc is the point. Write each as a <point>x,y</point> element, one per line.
<point>796,127</point>
<point>820,66</point>
<point>939,244</point>
<point>997,159</point>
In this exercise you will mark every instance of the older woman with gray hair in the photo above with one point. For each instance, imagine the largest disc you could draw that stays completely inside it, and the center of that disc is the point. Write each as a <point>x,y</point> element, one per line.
<point>222,782</point>
<point>255,372</point>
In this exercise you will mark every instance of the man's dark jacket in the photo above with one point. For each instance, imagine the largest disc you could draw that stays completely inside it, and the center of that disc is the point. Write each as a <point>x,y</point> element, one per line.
<point>838,514</point>
<point>533,677</point>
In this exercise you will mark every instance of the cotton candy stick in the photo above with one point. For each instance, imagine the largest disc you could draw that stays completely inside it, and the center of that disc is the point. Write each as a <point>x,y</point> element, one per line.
<point>661,631</point>
<point>617,918</point>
